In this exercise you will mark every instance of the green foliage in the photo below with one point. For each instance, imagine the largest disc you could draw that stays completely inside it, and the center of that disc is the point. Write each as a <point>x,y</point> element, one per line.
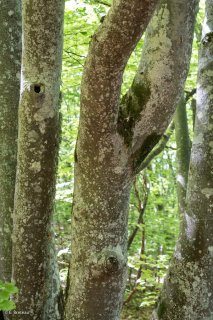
<point>160,228</point>
<point>6,291</point>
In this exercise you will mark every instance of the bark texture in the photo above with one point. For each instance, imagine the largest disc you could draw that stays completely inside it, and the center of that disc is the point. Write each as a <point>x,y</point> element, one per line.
<point>102,175</point>
<point>148,107</point>
<point>112,143</point>
<point>188,289</point>
<point>10,67</point>
<point>33,253</point>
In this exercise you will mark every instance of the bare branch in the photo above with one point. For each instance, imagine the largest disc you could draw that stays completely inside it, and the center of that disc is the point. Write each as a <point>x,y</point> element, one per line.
<point>139,272</point>
<point>193,108</point>
<point>190,94</point>
<point>104,3</point>
<point>141,208</point>
<point>69,52</point>
<point>158,148</point>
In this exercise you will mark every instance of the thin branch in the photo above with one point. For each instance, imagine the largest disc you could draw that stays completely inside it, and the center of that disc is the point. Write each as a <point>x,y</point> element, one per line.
<point>130,295</point>
<point>141,208</point>
<point>190,94</point>
<point>171,148</point>
<point>77,60</point>
<point>75,54</point>
<point>158,148</point>
<point>104,3</point>
<point>193,108</point>
<point>142,252</point>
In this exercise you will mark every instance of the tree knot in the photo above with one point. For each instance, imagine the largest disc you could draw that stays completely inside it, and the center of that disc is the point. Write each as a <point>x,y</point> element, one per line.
<point>109,261</point>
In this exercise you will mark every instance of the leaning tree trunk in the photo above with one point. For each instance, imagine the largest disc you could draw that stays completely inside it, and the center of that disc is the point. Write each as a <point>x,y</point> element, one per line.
<point>38,137</point>
<point>148,107</point>
<point>10,68</point>
<point>102,178</point>
<point>188,289</point>
<point>113,140</point>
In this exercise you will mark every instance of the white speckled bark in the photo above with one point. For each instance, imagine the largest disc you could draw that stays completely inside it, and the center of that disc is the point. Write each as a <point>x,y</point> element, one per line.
<point>10,67</point>
<point>110,148</point>
<point>188,289</point>
<point>33,266</point>
<point>149,105</point>
<point>102,175</point>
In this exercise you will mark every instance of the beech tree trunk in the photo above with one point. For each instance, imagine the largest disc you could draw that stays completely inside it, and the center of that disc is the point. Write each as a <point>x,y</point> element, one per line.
<point>10,67</point>
<point>182,154</point>
<point>115,138</point>
<point>33,253</point>
<point>188,288</point>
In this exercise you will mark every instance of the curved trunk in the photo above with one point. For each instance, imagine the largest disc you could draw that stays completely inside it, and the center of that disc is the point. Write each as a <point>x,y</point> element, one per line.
<point>148,107</point>
<point>188,289</point>
<point>102,173</point>
<point>112,143</point>
<point>10,68</point>
<point>37,160</point>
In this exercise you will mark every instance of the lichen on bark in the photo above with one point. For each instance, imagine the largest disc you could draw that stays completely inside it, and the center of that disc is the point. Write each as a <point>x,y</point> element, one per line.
<point>188,288</point>
<point>102,179</point>
<point>10,67</point>
<point>34,267</point>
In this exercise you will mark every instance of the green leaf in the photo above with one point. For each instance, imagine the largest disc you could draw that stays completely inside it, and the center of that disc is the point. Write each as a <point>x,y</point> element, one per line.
<point>7,305</point>
<point>11,288</point>
<point>4,295</point>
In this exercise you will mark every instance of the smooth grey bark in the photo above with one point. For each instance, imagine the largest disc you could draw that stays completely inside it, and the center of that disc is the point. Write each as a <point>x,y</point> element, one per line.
<point>183,153</point>
<point>10,68</point>
<point>34,269</point>
<point>188,288</point>
<point>112,142</point>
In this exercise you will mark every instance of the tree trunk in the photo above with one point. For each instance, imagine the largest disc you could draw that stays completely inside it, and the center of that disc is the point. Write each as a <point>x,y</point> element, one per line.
<point>10,67</point>
<point>183,153</point>
<point>37,161</point>
<point>102,176</point>
<point>149,106</point>
<point>188,288</point>
<point>113,141</point>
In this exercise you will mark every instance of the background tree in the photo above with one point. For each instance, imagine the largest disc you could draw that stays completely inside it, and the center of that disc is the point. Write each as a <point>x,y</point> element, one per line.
<point>183,152</point>
<point>39,126</point>
<point>10,58</point>
<point>188,287</point>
